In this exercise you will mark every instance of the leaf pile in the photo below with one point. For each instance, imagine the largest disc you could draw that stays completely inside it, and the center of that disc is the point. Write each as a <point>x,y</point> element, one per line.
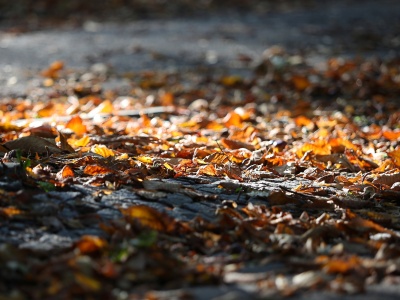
<point>305,163</point>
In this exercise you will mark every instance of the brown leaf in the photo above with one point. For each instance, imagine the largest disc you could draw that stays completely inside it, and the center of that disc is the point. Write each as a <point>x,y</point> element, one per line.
<point>232,144</point>
<point>3,149</point>
<point>300,82</point>
<point>64,144</point>
<point>281,198</point>
<point>387,179</point>
<point>217,158</point>
<point>32,145</point>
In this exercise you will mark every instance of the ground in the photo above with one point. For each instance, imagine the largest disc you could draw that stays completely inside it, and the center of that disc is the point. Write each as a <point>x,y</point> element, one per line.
<point>216,154</point>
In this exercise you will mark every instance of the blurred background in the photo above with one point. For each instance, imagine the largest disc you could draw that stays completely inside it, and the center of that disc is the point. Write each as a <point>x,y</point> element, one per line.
<point>40,12</point>
<point>218,36</point>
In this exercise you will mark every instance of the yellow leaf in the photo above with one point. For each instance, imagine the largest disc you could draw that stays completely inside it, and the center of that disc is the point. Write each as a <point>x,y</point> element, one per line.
<point>231,80</point>
<point>168,166</point>
<point>87,282</point>
<point>145,159</point>
<point>82,142</point>
<point>102,150</point>
<point>104,107</point>
<point>123,156</point>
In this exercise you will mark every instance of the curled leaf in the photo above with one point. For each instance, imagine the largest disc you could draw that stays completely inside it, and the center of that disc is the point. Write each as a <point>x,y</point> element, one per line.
<point>102,150</point>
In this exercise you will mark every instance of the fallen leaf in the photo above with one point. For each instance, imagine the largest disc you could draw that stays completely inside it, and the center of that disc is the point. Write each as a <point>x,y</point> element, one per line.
<point>65,172</point>
<point>96,170</point>
<point>76,125</point>
<point>149,217</point>
<point>102,150</point>
<point>89,244</point>
<point>32,145</point>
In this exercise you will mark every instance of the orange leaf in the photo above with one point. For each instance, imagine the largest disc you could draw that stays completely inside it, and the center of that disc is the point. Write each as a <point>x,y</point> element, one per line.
<point>341,266</point>
<point>300,82</point>
<point>167,99</point>
<point>9,212</point>
<point>96,170</point>
<point>233,119</point>
<point>149,217</point>
<point>215,126</point>
<point>217,158</point>
<point>76,125</point>
<point>46,111</point>
<point>53,69</point>
<point>66,172</point>
<point>146,121</point>
<point>395,156</point>
<point>90,244</point>
<point>304,121</point>
<point>318,148</point>
<point>391,135</point>
<point>207,170</point>
<point>343,142</point>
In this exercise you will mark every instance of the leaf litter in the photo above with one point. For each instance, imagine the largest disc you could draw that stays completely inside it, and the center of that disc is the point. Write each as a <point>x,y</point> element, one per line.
<point>280,183</point>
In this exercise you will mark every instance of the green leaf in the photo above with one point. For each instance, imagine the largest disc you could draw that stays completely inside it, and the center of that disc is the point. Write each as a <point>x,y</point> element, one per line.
<point>46,186</point>
<point>145,239</point>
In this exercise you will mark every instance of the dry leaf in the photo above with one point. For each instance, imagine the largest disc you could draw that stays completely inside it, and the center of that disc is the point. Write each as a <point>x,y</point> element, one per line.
<point>76,125</point>
<point>102,150</point>
<point>33,144</point>
<point>96,170</point>
<point>64,144</point>
<point>66,172</point>
<point>89,244</point>
<point>149,217</point>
